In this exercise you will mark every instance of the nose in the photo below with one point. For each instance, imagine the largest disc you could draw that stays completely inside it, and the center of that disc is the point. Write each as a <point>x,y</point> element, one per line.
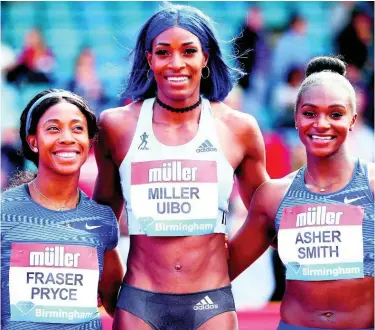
<point>322,122</point>
<point>177,61</point>
<point>66,136</point>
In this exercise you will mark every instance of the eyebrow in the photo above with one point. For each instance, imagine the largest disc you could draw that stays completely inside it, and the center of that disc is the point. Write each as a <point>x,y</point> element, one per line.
<point>53,120</point>
<point>167,44</point>
<point>330,106</point>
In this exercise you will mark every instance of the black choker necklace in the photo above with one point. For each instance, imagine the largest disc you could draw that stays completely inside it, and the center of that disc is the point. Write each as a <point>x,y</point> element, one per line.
<point>179,110</point>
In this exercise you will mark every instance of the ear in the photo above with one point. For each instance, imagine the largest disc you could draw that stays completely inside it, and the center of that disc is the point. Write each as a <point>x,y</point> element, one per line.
<point>149,58</point>
<point>31,141</point>
<point>352,122</point>
<point>295,119</point>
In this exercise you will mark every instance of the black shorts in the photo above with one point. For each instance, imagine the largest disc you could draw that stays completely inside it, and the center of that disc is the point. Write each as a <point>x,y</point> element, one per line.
<point>175,311</point>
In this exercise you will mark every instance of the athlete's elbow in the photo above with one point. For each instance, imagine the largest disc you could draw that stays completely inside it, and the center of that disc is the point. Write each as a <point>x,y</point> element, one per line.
<point>110,307</point>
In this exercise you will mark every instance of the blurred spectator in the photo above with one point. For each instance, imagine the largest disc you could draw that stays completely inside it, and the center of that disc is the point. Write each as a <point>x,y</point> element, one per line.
<point>9,96</point>
<point>250,46</point>
<point>7,59</point>
<point>284,98</point>
<point>292,49</point>
<point>340,15</point>
<point>361,139</point>
<point>252,54</point>
<point>354,40</point>
<point>369,111</point>
<point>86,82</point>
<point>356,43</point>
<point>11,159</point>
<point>278,155</point>
<point>36,62</point>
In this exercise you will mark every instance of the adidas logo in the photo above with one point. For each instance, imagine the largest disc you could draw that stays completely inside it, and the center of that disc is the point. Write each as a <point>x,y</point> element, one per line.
<point>205,303</point>
<point>206,146</point>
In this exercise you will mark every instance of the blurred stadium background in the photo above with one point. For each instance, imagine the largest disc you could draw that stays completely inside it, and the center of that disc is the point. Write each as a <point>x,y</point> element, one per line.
<point>85,46</point>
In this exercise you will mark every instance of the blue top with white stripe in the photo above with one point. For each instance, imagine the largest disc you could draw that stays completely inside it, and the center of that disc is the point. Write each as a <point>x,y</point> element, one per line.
<point>25,221</point>
<point>357,192</point>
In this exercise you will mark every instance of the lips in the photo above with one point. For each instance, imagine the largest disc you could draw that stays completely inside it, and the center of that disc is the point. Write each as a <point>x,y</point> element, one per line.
<point>66,154</point>
<point>177,79</point>
<point>321,137</point>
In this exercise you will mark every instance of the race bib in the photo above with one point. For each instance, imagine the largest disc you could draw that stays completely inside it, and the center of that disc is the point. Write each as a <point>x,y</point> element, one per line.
<point>175,197</point>
<point>321,242</point>
<point>53,283</point>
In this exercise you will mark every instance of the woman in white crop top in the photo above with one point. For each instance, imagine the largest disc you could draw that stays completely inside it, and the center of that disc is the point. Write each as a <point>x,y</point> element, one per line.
<point>171,161</point>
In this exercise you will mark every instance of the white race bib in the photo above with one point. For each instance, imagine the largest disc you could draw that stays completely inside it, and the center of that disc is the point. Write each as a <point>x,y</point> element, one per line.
<point>321,242</point>
<point>53,283</point>
<point>175,197</point>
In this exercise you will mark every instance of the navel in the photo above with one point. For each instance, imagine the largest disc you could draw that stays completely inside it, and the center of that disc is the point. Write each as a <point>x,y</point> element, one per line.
<point>328,314</point>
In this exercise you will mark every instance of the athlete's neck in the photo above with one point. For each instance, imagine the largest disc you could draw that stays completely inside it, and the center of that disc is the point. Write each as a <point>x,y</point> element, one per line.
<point>164,116</point>
<point>57,188</point>
<point>178,110</point>
<point>323,170</point>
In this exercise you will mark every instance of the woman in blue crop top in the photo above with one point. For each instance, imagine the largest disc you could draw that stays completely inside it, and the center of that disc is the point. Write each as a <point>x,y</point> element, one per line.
<point>57,245</point>
<point>321,217</point>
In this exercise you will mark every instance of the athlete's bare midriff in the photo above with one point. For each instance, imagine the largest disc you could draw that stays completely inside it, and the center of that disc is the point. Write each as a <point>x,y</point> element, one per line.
<point>177,264</point>
<point>342,304</point>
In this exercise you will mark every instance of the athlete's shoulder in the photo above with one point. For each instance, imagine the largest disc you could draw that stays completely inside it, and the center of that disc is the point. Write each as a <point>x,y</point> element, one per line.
<point>237,120</point>
<point>276,188</point>
<point>14,200</point>
<point>117,125</point>
<point>14,194</point>
<point>117,116</point>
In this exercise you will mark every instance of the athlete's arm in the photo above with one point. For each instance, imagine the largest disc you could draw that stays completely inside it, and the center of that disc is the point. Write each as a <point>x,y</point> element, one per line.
<point>110,281</point>
<point>107,186</point>
<point>255,236</point>
<point>251,172</point>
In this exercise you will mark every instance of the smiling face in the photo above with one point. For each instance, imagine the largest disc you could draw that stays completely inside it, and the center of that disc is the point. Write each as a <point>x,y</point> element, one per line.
<point>177,60</point>
<point>323,118</point>
<point>61,139</point>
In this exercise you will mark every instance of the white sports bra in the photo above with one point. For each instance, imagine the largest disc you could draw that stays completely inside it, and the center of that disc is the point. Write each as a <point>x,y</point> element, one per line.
<point>176,190</point>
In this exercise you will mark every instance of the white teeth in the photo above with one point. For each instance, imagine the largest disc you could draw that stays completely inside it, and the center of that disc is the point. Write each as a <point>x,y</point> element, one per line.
<point>322,137</point>
<point>66,154</point>
<point>177,79</point>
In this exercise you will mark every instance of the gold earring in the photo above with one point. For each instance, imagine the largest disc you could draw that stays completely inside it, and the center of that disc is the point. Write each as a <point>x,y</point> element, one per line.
<point>208,72</point>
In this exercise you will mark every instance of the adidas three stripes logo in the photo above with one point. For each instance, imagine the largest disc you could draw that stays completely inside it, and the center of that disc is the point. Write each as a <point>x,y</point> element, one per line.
<point>205,303</point>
